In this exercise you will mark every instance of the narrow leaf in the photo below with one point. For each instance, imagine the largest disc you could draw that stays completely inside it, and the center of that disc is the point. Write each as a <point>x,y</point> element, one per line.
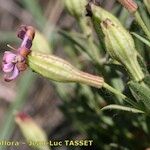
<point>123,108</point>
<point>77,39</point>
<point>147,80</point>
<point>141,93</point>
<point>142,39</point>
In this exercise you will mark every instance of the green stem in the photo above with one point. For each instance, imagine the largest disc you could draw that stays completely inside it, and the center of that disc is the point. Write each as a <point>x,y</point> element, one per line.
<point>142,24</point>
<point>113,90</point>
<point>93,50</point>
<point>118,93</point>
<point>9,124</point>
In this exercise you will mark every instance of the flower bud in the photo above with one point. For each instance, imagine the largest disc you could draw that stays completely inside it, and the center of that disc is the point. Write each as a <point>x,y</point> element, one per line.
<point>76,7</point>
<point>32,132</point>
<point>130,5</point>
<point>120,46</point>
<point>99,14</point>
<point>60,70</point>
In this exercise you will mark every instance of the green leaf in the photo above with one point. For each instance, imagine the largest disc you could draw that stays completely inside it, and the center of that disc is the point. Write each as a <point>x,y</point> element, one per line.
<point>83,44</point>
<point>142,39</point>
<point>142,64</point>
<point>76,38</point>
<point>141,93</point>
<point>147,80</point>
<point>123,108</point>
<point>143,13</point>
<point>146,2</point>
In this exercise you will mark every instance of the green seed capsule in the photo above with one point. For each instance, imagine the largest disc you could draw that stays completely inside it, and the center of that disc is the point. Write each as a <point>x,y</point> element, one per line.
<point>60,70</point>
<point>120,46</point>
<point>99,14</point>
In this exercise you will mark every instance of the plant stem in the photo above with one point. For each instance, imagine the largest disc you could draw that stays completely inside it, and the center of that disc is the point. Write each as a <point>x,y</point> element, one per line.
<point>93,50</point>
<point>142,24</point>
<point>113,90</point>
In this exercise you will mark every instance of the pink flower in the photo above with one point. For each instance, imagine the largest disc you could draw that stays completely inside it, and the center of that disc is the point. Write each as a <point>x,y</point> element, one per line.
<point>9,66</point>
<point>13,63</point>
<point>26,33</point>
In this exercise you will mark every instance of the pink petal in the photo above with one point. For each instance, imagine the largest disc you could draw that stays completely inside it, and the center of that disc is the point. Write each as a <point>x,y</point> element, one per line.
<point>8,67</point>
<point>24,41</point>
<point>14,74</point>
<point>27,43</point>
<point>9,57</point>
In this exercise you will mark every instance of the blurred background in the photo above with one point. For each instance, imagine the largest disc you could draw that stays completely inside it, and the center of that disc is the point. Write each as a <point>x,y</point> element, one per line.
<point>64,111</point>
